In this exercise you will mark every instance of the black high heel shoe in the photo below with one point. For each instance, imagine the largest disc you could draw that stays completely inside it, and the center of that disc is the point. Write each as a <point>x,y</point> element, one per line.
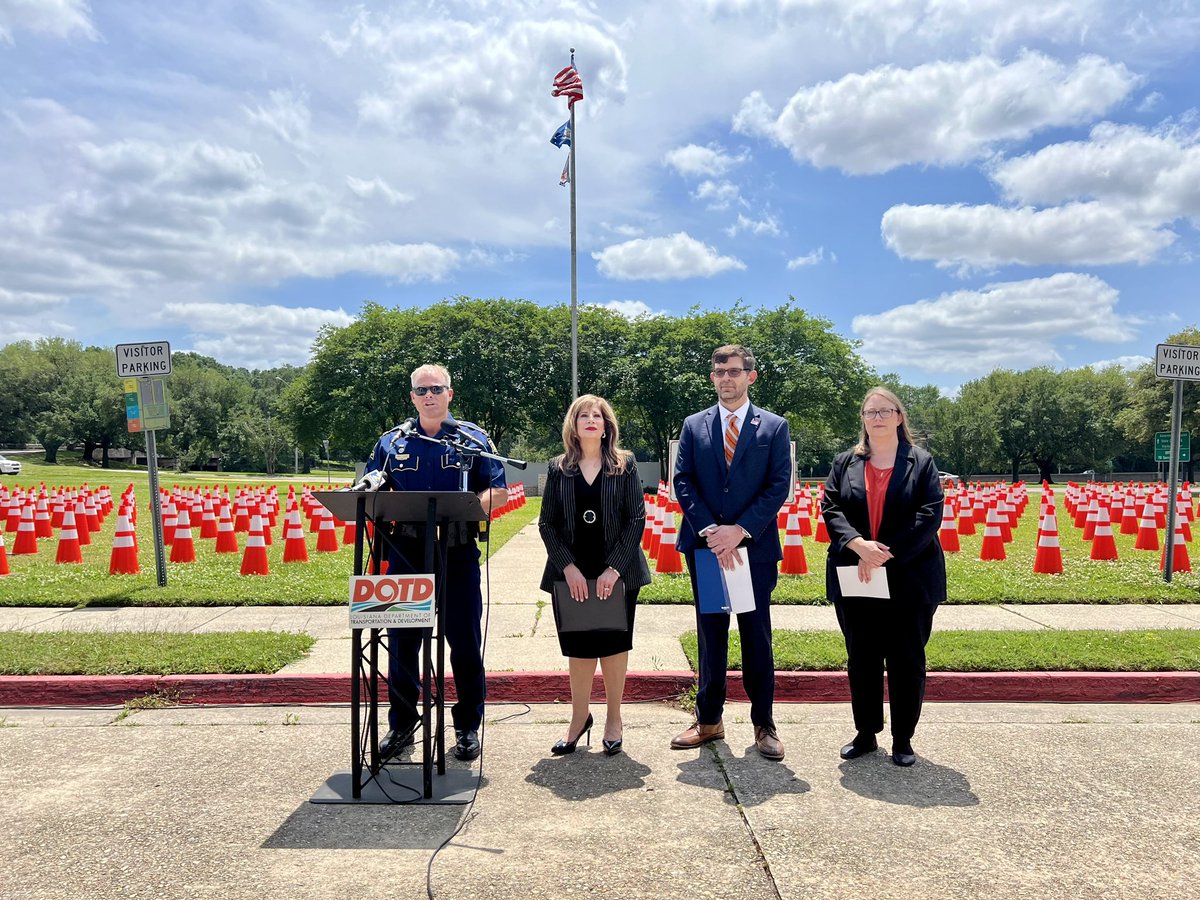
<point>564,747</point>
<point>612,748</point>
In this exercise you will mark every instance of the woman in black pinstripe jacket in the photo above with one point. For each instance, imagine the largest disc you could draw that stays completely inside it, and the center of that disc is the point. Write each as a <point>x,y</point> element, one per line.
<point>591,522</point>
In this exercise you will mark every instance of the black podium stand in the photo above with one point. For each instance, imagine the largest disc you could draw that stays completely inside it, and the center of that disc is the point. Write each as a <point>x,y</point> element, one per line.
<point>370,779</point>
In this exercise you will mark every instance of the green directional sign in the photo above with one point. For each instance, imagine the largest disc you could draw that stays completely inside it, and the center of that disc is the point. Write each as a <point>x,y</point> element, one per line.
<point>1162,446</point>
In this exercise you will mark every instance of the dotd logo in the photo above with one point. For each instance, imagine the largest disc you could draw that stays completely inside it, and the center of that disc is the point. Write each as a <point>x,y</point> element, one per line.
<point>390,590</point>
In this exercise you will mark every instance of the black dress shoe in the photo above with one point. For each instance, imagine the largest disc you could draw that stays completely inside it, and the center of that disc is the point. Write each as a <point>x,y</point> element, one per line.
<point>902,754</point>
<point>466,747</point>
<point>860,746</point>
<point>612,748</point>
<point>397,739</point>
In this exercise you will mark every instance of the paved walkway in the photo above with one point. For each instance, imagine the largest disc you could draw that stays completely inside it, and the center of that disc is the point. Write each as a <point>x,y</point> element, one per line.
<point>1010,801</point>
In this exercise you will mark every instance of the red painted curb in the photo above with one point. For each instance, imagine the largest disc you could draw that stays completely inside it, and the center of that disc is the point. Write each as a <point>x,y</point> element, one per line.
<point>549,687</point>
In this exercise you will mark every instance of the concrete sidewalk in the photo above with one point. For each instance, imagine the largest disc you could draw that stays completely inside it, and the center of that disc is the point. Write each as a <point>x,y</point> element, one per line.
<point>1013,801</point>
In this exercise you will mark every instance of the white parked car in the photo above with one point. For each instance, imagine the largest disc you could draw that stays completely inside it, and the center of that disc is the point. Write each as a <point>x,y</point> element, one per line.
<point>9,466</point>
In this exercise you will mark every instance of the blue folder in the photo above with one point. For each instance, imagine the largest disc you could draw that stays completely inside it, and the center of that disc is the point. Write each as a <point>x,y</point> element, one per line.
<point>710,583</point>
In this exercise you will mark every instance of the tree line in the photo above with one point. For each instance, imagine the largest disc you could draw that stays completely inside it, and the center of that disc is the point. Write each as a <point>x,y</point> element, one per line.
<point>510,360</point>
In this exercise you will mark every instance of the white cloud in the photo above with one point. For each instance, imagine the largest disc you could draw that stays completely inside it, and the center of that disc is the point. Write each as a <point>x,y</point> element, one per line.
<point>1010,324</point>
<point>1128,363</point>
<point>985,237</point>
<point>940,113</point>
<point>28,316</point>
<point>56,18</point>
<point>694,160</point>
<point>287,117</point>
<point>377,187</point>
<point>254,336</point>
<point>663,259</point>
<point>1149,102</point>
<point>1154,177</point>
<point>767,225</point>
<point>810,259</point>
<point>718,194</point>
<point>630,309</point>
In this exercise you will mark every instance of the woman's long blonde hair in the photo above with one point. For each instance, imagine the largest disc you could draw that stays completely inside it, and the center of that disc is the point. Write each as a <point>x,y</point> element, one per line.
<point>616,460</point>
<point>863,447</point>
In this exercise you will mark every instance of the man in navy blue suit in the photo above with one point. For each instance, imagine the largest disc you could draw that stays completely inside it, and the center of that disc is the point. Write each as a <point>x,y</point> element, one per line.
<point>731,477</point>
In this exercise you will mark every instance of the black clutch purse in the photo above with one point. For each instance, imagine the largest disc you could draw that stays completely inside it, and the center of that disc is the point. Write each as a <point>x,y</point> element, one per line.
<point>593,614</point>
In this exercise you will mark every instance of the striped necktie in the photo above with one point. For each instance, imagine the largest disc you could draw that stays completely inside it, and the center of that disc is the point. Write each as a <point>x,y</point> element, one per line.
<point>731,438</point>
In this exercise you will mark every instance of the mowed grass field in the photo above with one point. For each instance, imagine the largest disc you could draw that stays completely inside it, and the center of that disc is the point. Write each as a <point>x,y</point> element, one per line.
<point>215,580</point>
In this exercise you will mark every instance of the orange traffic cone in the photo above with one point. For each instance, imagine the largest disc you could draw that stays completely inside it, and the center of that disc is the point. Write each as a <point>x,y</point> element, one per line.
<point>68,541</point>
<point>794,561</point>
<point>669,561</point>
<point>208,520</point>
<point>26,541</point>
<point>656,536</point>
<point>295,548</point>
<point>804,510</point>
<point>254,559</point>
<point>3,555</point>
<point>1179,554</point>
<point>1147,536</point>
<point>124,558</point>
<point>966,517</point>
<point>1048,560</point>
<point>226,537</point>
<point>993,540</point>
<point>1103,545</point>
<point>327,541</point>
<point>41,519</point>
<point>183,548</point>
<point>948,533</point>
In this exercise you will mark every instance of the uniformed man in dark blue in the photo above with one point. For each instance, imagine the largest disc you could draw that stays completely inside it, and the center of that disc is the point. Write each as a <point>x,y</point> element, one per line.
<point>413,464</point>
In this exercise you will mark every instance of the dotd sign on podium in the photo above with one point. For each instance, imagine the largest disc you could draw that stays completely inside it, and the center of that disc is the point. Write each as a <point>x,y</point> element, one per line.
<point>392,601</point>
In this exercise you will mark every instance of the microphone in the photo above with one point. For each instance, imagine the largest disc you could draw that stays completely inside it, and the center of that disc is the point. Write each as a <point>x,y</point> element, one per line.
<point>407,427</point>
<point>371,481</point>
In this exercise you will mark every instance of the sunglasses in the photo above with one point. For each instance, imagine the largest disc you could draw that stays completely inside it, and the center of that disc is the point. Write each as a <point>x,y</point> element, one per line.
<point>434,389</point>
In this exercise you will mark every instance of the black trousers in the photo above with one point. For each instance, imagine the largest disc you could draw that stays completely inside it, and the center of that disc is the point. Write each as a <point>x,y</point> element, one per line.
<point>758,658</point>
<point>464,635</point>
<point>892,632</point>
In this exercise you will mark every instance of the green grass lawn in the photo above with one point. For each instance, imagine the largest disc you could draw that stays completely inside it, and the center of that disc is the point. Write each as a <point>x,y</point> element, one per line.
<point>1134,578</point>
<point>213,580</point>
<point>1169,650</point>
<point>154,653</point>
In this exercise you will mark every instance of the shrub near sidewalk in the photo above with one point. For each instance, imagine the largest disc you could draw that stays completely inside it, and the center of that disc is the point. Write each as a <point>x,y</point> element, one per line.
<point>213,580</point>
<point>1166,650</point>
<point>1134,578</point>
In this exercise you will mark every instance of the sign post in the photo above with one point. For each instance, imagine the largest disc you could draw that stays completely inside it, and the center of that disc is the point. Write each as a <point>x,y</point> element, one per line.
<point>143,369</point>
<point>1179,363</point>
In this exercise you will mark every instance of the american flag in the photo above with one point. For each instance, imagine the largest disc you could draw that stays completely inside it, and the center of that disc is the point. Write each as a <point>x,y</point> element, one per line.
<point>567,83</point>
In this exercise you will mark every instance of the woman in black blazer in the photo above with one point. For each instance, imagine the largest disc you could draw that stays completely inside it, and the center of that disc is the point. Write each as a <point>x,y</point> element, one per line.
<point>593,514</point>
<point>883,508</point>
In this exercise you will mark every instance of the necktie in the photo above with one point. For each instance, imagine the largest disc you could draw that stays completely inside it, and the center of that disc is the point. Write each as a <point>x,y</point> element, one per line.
<point>731,438</point>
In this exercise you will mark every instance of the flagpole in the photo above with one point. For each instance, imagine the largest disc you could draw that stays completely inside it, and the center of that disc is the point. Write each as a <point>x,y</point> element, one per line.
<point>574,263</point>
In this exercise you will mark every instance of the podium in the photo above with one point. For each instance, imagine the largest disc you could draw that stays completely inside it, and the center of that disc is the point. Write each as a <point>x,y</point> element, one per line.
<point>371,779</point>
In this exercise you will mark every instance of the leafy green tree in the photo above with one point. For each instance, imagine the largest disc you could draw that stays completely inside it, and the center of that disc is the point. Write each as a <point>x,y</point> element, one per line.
<point>1148,409</point>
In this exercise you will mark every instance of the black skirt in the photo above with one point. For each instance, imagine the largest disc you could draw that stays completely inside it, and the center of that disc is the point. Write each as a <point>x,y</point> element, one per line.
<point>588,550</point>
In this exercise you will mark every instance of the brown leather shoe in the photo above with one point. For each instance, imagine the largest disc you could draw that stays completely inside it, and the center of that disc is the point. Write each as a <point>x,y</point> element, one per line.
<point>767,741</point>
<point>696,735</point>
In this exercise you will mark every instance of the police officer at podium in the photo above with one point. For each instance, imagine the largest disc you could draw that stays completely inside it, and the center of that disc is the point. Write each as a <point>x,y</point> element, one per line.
<point>411,463</point>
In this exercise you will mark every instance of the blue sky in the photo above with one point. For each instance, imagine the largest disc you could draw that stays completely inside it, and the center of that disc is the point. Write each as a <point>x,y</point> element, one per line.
<point>957,184</point>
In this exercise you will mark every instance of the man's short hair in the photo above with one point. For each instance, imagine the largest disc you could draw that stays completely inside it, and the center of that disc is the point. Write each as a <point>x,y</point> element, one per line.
<point>722,354</point>
<point>430,369</point>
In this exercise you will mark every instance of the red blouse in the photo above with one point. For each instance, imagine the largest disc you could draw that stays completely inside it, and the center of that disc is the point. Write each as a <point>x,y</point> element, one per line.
<point>877,485</point>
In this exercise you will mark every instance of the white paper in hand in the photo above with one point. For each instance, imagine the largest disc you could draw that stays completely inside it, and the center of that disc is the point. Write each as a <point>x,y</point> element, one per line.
<point>739,586</point>
<point>852,587</point>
